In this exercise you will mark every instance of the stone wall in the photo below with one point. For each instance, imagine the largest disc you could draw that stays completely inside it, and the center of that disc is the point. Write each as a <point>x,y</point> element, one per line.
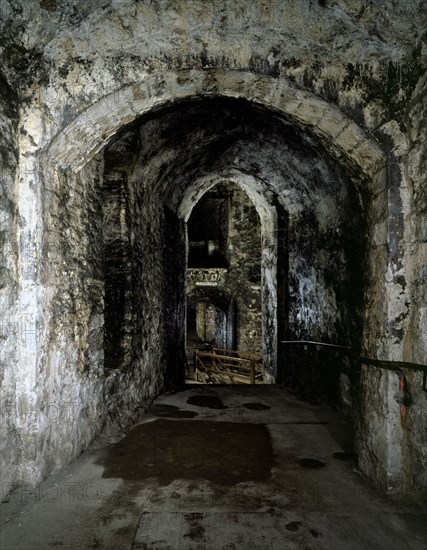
<point>67,393</point>
<point>117,264</point>
<point>415,336</point>
<point>244,275</point>
<point>402,449</point>
<point>15,328</point>
<point>348,76</point>
<point>149,272</point>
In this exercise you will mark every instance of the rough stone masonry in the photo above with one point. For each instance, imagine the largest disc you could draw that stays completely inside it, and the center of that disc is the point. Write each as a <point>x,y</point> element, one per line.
<point>117,117</point>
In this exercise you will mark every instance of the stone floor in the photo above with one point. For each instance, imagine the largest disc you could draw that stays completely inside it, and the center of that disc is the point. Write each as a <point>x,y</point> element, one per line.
<point>216,468</point>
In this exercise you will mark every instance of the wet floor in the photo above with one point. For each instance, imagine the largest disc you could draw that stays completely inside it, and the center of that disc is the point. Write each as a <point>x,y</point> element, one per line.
<point>215,469</point>
<point>311,463</point>
<point>221,452</point>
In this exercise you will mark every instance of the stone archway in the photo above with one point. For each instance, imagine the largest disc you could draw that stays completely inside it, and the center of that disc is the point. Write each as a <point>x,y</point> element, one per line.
<point>224,304</point>
<point>71,167</point>
<point>342,138</point>
<point>256,192</point>
<point>90,130</point>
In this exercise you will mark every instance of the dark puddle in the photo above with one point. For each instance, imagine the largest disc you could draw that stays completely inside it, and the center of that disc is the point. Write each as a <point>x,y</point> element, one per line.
<point>170,411</point>
<point>350,457</point>
<point>311,463</point>
<point>293,525</point>
<point>256,406</point>
<point>208,401</point>
<point>223,452</point>
<point>196,530</point>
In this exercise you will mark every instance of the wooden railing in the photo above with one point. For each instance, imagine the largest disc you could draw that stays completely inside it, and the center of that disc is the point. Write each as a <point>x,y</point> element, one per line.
<point>225,366</point>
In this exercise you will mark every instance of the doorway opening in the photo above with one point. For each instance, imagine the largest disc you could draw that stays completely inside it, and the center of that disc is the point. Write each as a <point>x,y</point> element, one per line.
<point>246,214</point>
<point>224,273</point>
<point>209,324</point>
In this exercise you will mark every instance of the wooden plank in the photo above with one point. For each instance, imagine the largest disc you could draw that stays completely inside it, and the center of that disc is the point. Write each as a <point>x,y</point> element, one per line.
<point>237,366</point>
<point>215,356</point>
<point>242,378</point>
<point>217,368</point>
<point>242,353</point>
<point>252,376</point>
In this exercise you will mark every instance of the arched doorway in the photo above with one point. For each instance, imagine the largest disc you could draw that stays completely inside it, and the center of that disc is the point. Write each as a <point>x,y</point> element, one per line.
<point>341,138</point>
<point>292,185</point>
<point>211,320</point>
<point>224,258</point>
<point>288,153</point>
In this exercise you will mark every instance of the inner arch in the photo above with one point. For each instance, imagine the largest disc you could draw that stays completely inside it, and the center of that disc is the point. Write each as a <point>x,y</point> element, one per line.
<point>91,129</point>
<point>162,164</point>
<point>257,191</point>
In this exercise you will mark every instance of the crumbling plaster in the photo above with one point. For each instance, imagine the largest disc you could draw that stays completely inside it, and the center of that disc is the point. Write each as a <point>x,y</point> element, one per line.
<point>352,76</point>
